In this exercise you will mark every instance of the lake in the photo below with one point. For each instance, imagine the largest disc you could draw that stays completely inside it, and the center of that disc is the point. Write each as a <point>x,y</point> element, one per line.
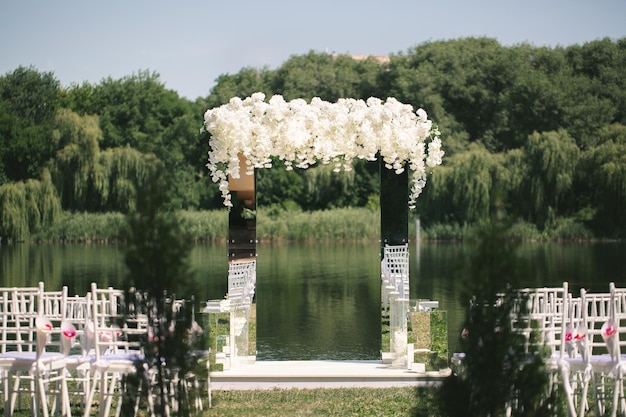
<point>321,300</point>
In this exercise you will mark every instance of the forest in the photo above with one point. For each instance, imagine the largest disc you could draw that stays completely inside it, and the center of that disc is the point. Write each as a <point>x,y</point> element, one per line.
<point>534,134</point>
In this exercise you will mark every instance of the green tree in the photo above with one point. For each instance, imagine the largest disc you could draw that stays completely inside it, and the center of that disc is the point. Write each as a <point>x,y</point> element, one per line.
<point>469,186</point>
<point>74,167</point>
<point>329,77</point>
<point>242,84</point>
<point>26,207</point>
<point>157,257</point>
<point>552,161</point>
<point>596,88</point>
<point>133,110</point>
<point>28,103</point>
<point>471,75</point>
<point>601,181</point>
<point>496,372</point>
<point>277,185</point>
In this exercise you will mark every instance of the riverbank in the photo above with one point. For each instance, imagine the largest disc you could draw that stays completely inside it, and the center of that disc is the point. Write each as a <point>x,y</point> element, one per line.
<point>342,224</point>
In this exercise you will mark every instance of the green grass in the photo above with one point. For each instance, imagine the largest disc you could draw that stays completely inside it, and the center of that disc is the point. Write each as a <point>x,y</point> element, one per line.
<point>395,402</point>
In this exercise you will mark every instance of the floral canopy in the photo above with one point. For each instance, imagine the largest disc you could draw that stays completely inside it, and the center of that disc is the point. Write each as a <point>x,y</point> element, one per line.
<point>302,135</point>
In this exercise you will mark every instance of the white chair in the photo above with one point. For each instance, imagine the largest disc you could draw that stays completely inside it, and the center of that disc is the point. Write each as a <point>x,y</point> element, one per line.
<point>551,318</point>
<point>31,325</point>
<point>241,281</point>
<point>117,348</point>
<point>78,348</point>
<point>394,272</point>
<point>603,314</point>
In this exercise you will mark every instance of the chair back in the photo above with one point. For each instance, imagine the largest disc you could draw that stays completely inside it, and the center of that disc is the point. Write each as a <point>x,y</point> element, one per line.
<point>241,281</point>
<point>541,316</point>
<point>18,313</point>
<point>395,268</point>
<point>112,327</point>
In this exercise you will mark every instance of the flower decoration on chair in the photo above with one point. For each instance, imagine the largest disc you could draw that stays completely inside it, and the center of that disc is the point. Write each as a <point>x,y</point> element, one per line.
<point>43,325</point>
<point>609,335</point>
<point>302,135</point>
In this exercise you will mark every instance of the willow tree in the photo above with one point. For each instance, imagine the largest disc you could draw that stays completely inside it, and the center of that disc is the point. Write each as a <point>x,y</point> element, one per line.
<point>14,218</point>
<point>601,180</point>
<point>73,168</point>
<point>25,207</point>
<point>552,161</point>
<point>123,171</point>
<point>324,188</point>
<point>89,179</point>
<point>469,186</point>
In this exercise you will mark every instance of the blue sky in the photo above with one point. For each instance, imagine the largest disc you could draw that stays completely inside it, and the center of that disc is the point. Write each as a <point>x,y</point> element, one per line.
<point>191,42</point>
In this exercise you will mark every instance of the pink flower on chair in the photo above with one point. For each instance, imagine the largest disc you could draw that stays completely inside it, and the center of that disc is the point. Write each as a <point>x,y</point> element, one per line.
<point>609,335</point>
<point>580,333</point>
<point>68,330</point>
<point>110,334</point>
<point>43,325</point>
<point>609,330</point>
<point>569,335</point>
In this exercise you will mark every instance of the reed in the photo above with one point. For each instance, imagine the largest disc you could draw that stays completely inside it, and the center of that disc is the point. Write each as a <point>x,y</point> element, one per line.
<point>360,224</point>
<point>205,226</point>
<point>84,227</point>
<point>335,224</point>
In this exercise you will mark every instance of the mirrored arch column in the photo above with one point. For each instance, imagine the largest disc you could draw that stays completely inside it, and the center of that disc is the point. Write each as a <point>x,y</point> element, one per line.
<point>394,232</point>
<point>242,266</point>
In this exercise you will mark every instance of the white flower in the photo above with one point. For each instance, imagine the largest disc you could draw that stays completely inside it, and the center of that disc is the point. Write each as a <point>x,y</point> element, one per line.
<point>301,135</point>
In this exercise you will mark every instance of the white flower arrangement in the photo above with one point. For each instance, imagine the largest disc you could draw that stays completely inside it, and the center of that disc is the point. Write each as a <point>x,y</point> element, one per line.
<point>302,135</point>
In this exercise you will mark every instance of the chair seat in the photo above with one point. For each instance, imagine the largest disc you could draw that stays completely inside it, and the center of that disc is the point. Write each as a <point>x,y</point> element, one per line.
<point>24,361</point>
<point>30,356</point>
<point>604,362</point>
<point>119,363</point>
<point>73,361</point>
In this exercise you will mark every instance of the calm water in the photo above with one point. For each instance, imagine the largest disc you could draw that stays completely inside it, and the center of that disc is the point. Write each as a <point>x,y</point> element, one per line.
<point>320,301</point>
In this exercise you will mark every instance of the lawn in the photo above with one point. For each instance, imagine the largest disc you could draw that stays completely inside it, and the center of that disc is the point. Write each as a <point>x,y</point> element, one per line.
<point>397,402</point>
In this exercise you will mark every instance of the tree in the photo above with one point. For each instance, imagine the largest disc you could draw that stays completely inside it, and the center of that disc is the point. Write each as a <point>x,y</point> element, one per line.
<point>496,372</point>
<point>468,188</point>
<point>74,168</point>
<point>277,185</point>
<point>472,76</point>
<point>243,84</point>
<point>329,77</point>
<point>596,88</point>
<point>26,207</point>
<point>600,181</point>
<point>133,110</point>
<point>157,257</point>
<point>552,160</point>
<point>28,103</point>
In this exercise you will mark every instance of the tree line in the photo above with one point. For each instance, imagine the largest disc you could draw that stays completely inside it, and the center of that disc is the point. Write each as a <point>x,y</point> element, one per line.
<point>536,134</point>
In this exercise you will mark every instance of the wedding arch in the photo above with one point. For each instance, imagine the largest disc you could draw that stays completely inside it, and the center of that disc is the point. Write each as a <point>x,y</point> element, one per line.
<point>302,135</point>
<point>245,134</point>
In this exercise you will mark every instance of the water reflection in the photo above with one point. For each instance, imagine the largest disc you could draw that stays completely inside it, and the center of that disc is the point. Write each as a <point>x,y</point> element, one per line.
<point>321,301</point>
<point>318,301</point>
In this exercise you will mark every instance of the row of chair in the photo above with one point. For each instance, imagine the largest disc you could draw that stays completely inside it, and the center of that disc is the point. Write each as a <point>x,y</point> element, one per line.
<point>394,273</point>
<point>241,281</point>
<point>582,333</point>
<point>54,347</point>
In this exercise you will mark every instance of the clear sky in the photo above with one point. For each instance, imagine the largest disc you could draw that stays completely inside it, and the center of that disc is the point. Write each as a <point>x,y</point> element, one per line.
<point>191,42</point>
